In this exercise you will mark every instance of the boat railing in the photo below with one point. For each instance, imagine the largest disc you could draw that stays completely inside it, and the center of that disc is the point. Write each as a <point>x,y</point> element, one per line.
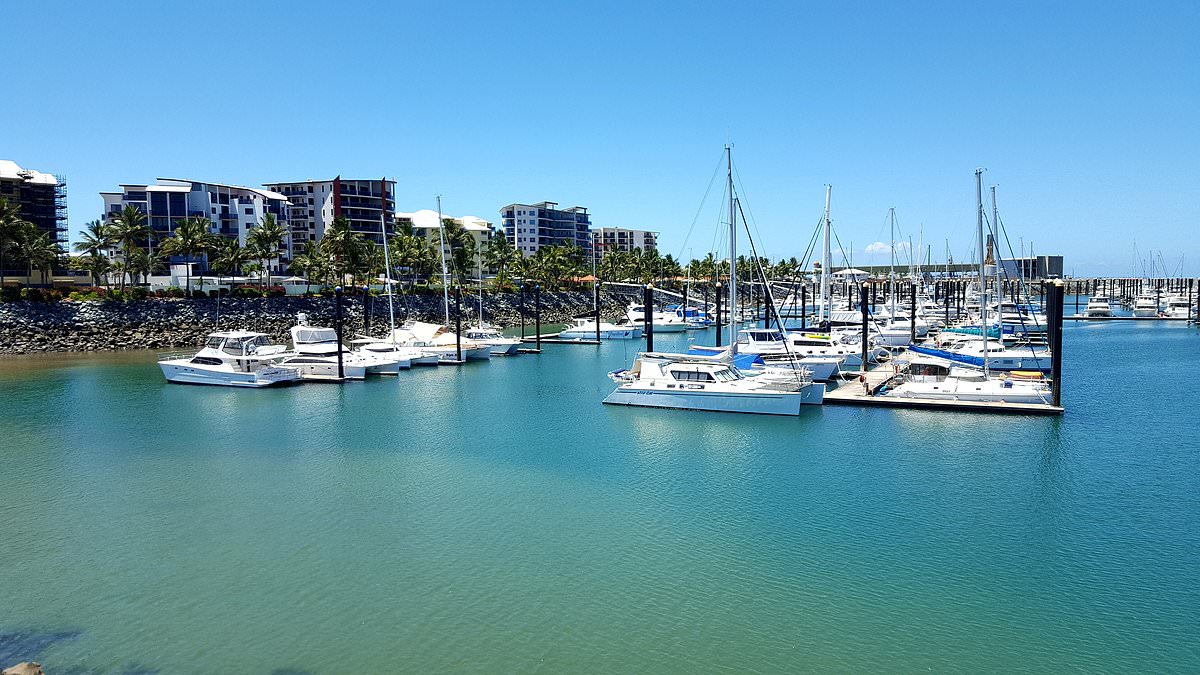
<point>174,355</point>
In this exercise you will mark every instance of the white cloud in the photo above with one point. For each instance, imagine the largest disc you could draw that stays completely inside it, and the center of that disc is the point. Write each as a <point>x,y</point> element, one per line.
<point>882,247</point>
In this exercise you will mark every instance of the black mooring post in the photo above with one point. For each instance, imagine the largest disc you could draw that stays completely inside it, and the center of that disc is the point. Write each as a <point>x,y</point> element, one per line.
<point>366,310</point>
<point>718,314</point>
<point>458,323</point>
<point>522,311</point>
<point>1077,298</point>
<point>596,290</point>
<point>1056,340</point>
<point>866,337</point>
<point>803,306</point>
<point>648,315</point>
<point>537,314</point>
<point>912,311</point>
<point>849,296</point>
<point>1189,316</point>
<point>337,326</point>
<point>946,299</point>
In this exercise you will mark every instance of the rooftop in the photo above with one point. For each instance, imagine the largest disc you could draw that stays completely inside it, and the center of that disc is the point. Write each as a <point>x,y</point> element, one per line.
<point>12,171</point>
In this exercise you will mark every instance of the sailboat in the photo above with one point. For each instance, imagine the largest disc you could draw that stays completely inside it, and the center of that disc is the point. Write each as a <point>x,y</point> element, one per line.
<point>390,347</point>
<point>945,380</point>
<point>713,383</point>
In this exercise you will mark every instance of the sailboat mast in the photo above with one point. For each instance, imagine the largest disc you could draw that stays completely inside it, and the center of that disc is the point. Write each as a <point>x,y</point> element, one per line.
<point>892,267</point>
<point>445,275</point>
<point>996,238</point>
<point>825,313</point>
<point>387,267</point>
<point>982,267</point>
<point>732,252</point>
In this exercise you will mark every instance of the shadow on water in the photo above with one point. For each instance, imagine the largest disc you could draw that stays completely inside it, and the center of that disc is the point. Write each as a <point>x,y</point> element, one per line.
<point>29,645</point>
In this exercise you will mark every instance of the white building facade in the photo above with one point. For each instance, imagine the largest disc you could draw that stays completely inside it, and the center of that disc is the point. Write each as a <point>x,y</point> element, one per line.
<point>532,226</point>
<point>233,210</point>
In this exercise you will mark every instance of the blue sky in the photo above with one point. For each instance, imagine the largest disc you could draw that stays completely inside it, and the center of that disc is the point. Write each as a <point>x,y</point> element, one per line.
<point>1084,114</point>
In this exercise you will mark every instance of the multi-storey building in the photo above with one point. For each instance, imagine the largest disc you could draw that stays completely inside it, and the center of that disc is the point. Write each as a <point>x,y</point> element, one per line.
<point>367,204</point>
<point>425,224</point>
<point>606,239</point>
<point>532,226</point>
<point>233,210</point>
<point>41,199</point>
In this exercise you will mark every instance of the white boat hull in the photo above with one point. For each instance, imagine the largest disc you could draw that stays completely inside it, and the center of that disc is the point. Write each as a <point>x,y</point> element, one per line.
<point>991,391</point>
<point>615,334</point>
<point>183,372</point>
<point>774,403</point>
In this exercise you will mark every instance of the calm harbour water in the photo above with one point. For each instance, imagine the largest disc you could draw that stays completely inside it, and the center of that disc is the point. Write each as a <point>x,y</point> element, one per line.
<point>498,518</point>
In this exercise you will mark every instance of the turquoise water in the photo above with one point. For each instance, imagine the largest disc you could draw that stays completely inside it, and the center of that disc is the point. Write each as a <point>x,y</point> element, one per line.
<point>498,518</point>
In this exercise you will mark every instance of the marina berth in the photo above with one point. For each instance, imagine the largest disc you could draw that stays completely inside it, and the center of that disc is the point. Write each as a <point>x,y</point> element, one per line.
<point>231,359</point>
<point>664,321</point>
<point>585,329</point>
<point>689,382</point>
<point>938,379</point>
<point>494,339</point>
<point>317,352</point>
<point>1145,306</point>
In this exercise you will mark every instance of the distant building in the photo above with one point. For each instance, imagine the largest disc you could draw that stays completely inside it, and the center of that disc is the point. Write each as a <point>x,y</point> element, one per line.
<point>425,224</point>
<point>1035,267</point>
<point>234,210</point>
<point>620,239</point>
<point>316,203</point>
<point>41,198</point>
<point>532,226</point>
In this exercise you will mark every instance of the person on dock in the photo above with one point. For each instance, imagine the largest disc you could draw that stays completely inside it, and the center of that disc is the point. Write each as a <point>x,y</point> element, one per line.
<point>866,389</point>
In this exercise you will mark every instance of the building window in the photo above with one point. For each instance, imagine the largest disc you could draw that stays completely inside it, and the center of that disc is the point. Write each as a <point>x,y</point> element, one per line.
<point>310,191</point>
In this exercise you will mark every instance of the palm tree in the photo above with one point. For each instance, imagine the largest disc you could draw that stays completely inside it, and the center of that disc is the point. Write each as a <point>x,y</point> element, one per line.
<point>96,263</point>
<point>40,251</point>
<point>192,236</point>
<point>265,240</point>
<point>13,229</point>
<point>95,238</point>
<point>343,247</point>
<point>139,265</point>
<point>309,263</point>
<point>231,258</point>
<point>129,229</point>
<point>462,248</point>
<point>500,254</point>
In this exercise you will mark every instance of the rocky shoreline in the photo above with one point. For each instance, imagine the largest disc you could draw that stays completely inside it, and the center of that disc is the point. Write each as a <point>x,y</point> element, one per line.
<point>33,327</point>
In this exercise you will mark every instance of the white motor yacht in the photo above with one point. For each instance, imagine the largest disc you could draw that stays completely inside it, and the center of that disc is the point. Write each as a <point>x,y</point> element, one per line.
<point>690,382</point>
<point>1097,305</point>
<point>1179,307</point>
<point>493,338</point>
<point>664,322</point>
<point>317,348</point>
<point>231,359</point>
<point>436,339</point>
<point>1145,306</point>
<point>585,329</point>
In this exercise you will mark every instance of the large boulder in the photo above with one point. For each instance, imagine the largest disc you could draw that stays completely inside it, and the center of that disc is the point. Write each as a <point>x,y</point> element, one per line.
<point>27,668</point>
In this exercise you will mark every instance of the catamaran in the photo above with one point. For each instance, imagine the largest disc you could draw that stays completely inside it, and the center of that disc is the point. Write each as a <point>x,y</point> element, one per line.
<point>703,382</point>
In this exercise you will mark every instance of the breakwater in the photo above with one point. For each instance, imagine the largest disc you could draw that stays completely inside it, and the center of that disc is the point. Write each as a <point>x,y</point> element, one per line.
<point>30,327</point>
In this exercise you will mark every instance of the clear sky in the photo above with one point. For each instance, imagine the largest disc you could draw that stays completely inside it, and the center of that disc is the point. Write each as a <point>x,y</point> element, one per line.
<point>1086,115</point>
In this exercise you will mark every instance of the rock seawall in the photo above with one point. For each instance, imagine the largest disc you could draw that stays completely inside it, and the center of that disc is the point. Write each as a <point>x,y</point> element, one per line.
<point>30,327</point>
